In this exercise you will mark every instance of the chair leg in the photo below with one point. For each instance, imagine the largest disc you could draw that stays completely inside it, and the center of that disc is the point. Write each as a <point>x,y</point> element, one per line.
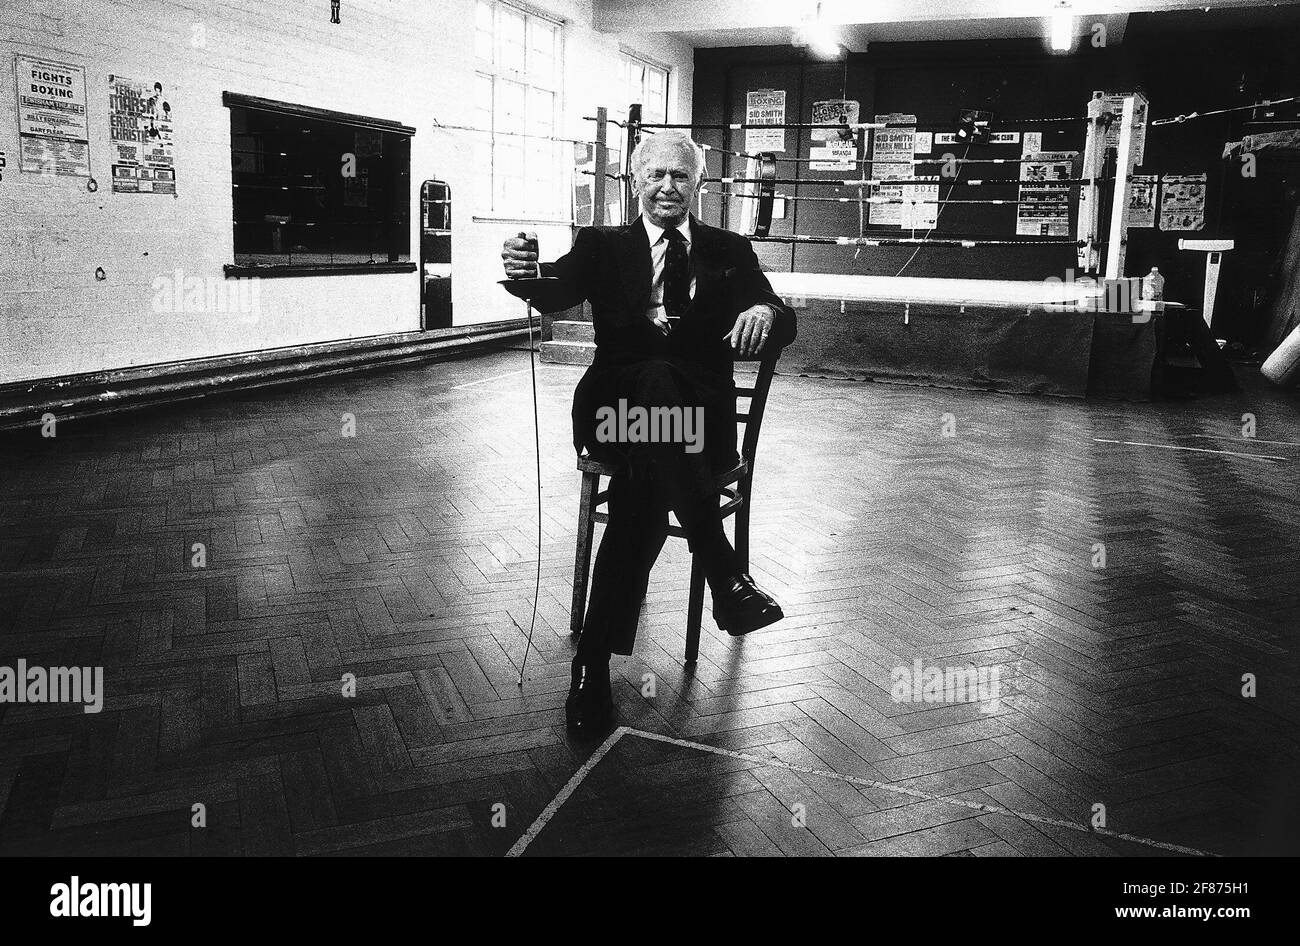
<point>694,610</point>
<point>742,528</point>
<point>582,556</point>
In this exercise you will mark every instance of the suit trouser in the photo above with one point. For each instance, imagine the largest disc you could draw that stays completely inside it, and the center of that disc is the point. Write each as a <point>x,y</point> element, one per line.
<point>654,478</point>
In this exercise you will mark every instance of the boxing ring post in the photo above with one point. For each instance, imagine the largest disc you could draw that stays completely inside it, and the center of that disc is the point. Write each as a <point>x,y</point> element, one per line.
<point>599,204</point>
<point>1089,251</point>
<point>633,130</point>
<point>1104,211</point>
<point>1125,159</point>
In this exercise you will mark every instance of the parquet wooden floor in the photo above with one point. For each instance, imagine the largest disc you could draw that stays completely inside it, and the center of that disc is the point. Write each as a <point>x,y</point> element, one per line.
<point>405,555</point>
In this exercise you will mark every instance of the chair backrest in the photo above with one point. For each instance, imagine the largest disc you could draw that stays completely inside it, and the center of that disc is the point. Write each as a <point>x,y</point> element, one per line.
<point>752,419</point>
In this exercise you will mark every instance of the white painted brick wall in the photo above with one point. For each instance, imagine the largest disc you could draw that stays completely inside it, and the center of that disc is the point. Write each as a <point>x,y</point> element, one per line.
<point>405,60</point>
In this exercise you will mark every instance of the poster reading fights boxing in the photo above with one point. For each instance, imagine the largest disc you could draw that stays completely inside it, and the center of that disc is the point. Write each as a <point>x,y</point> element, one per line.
<point>53,135</point>
<point>141,137</point>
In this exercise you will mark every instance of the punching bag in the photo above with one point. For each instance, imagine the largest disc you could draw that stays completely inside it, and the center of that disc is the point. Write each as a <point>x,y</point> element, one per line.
<point>1283,366</point>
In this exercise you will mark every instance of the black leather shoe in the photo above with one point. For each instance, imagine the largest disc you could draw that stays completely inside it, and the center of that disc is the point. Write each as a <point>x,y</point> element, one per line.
<point>744,607</point>
<point>590,705</point>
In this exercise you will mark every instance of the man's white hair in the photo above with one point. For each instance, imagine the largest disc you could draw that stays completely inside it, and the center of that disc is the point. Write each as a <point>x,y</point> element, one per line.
<point>667,139</point>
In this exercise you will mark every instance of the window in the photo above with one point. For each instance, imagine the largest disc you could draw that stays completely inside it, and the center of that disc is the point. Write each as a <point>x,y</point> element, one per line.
<point>646,83</point>
<point>517,97</point>
<point>318,191</point>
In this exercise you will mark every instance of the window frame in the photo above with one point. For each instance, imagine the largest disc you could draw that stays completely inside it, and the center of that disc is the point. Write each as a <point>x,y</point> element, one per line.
<point>313,113</point>
<point>628,57</point>
<point>492,200</point>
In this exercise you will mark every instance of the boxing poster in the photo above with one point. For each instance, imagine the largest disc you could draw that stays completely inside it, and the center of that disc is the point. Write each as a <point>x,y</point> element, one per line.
<point>1113,102</point>
<point>833,156</point>
<point>1142,201</point>
<point>833,112</point>
<point>921,212</point>
<point>892,152</point>
<point>765,107</point>
<point>53,128</point>
<point>141,136</point>
<point>1182,201</point>
<point>1044,207</point>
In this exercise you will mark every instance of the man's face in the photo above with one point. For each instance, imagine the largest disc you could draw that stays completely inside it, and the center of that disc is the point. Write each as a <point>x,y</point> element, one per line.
<point>667,183</point>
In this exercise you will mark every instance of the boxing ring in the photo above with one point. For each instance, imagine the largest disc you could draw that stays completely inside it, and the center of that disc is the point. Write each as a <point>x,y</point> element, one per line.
<point>1037,337</point>
<point>1089,333</point>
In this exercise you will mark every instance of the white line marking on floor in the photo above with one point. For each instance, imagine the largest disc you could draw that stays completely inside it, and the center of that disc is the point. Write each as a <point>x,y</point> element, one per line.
<point>1165,446</point>
<point>916,793</point>
<point>1239,439</point>
<point>569,788</point>
<point>470,384</point>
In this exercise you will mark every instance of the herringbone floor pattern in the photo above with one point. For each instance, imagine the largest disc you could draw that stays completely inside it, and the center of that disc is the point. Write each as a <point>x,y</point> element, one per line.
<point>405,556</point>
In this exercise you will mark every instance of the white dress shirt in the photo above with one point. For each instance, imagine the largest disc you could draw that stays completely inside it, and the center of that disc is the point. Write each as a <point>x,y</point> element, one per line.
<point>658,250</point>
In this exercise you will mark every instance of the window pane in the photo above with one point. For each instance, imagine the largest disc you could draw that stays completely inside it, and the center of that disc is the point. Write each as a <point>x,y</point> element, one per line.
<point>483,32</point>
<point>656,94</point>
<point>544,184</point>
<point>483,174</point>
<point>483,101</point>
<point>644,83</point>
<point>541,52</point>
<point>539,178</point>
<point>541,112</point>
<point>542,37</point>
<point>510,186</point>
<point>509,111</point>
<point>510,34</point>
<point>510,157</point>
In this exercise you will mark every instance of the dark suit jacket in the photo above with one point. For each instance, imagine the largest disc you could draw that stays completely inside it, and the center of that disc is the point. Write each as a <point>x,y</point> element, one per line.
<point>609,267</point>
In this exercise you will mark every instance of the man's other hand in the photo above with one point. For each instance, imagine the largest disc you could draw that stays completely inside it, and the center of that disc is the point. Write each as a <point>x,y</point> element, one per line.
<point>519,257</point>
<point>749,334</point>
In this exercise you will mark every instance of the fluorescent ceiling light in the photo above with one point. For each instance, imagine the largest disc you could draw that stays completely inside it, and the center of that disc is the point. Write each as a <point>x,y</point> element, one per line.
<point>1062,29</point>
<point>823,42</point>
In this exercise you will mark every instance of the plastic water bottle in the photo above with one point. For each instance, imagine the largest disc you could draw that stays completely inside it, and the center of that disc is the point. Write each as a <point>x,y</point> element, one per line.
<point>1153,285</point>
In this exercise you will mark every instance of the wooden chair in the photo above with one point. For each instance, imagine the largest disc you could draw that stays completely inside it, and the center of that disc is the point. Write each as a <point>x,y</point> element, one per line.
<point>734,487</point>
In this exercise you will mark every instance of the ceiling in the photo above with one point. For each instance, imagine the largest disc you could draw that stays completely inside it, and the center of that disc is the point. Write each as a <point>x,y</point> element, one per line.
<point>857,23</point>
<point>857,36</point>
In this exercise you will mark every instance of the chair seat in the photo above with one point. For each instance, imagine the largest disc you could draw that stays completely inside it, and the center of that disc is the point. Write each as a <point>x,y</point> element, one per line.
<point>586,464</point>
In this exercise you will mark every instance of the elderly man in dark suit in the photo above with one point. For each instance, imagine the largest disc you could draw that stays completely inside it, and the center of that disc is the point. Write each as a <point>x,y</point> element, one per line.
<point>674,302</point>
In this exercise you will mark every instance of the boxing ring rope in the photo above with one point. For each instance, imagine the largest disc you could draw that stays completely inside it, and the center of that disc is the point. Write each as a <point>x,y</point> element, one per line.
<point>928,181</point>
<point>868,200</point>
<point>759,182</point>
<point>968,243</point>
<point>1179,119</point>
<point>1102,180</point>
